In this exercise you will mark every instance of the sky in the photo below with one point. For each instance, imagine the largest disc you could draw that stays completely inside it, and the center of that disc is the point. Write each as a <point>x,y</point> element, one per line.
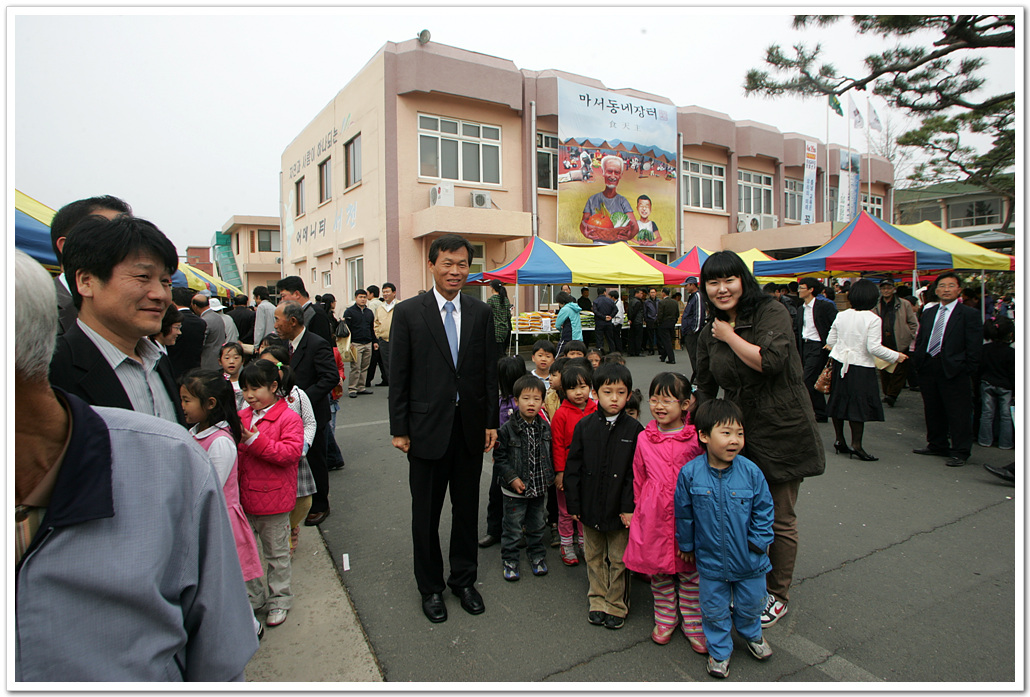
<point>185,112</point>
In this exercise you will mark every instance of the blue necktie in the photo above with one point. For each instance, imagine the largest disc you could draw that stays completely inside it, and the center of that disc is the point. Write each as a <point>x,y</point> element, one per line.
<point>938,332</point>
<point>451,329</point>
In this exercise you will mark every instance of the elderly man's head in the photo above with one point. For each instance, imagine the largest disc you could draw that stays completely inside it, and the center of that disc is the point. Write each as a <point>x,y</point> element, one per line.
<point>611,169</point>
<point>119,272</point>
<point>35,319</point>
<point>289,320</point>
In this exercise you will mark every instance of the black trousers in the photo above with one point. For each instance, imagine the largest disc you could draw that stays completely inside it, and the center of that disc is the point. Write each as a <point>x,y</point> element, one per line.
<point>948,409</point>
<point>601,333</point>
<point>318,462</point>
<point>690,344</point>
<point>636,338</point>
<point>665,344</point>
<point>494,508</point>
<point>813,360</point>
<point>429,480</point>
<point>376,360</point>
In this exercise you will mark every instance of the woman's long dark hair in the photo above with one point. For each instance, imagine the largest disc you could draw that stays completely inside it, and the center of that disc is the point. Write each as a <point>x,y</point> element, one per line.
<point>724,265</point>
<point>499,287</point>
<point>509,369</point>
<point>204,384</point>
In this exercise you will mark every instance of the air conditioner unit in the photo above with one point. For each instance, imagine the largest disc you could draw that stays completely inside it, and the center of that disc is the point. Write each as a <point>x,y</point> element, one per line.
<point>747,222</point>
<point>769,222</point>
<point>481,199</point>
<point>442,194</point>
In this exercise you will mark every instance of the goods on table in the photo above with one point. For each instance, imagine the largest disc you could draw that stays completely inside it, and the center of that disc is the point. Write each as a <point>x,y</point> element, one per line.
<point>586,319</point>
<point>533,322</point>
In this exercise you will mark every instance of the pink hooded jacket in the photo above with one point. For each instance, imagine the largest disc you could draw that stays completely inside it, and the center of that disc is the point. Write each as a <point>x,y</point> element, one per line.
<point>656,465</point>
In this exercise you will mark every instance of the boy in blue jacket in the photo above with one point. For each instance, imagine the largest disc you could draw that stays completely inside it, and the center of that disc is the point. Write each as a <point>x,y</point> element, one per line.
<point>724,518</point>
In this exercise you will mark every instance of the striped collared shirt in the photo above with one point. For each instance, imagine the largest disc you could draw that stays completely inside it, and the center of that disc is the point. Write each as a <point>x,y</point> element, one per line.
<point>141,381</point>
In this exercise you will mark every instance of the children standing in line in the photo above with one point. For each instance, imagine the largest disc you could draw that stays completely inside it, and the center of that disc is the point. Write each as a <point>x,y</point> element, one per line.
<point>575,380</point>
<point>273,439</point>
<point>575,349</point>
<point>599,492</point>
<point>594,356</point>
<point>666,444</point>
<point>231,360</point>
<point>555,396</point>
<point>522,466</point>
<point>543,357</point>
<point>724,520</point>
<point>509,370</point>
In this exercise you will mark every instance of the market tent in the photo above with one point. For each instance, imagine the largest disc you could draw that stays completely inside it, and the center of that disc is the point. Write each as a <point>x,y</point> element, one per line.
<point>865,244</point>
<point>693,260</point>
<point>32,230</point>
<point>543,262</point>
<point>187,276</point>
<point>964,254</point>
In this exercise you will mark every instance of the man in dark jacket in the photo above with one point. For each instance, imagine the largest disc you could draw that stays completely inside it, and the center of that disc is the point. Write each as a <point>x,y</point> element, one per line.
<point>243,317</point>
<point>635,314</point>
<point>668,313</point>
<point>811,327</point>
<point>598,485</point>
<point>186,351</point>
<point>316,321</point>
<point>584,300</point>
<point>691,322</point>
<point>651,321</point>
<point>360,321</point>
<point>604,311</point>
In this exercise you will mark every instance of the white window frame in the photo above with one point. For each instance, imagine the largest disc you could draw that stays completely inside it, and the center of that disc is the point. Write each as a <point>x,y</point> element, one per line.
<point>793,198</point>
<point>327,279</point>
<point>352,161</point>
<point>751,183</point>
<point>876,208</point>
<point>314,275</point>
<point>355,274</point>
<point>299,190</point>
<point>325,180</point>
<point>547,147</point>
<point>976,220</point>
<point>463,135</point>
<point>700,178</point>
<point>274,241</point>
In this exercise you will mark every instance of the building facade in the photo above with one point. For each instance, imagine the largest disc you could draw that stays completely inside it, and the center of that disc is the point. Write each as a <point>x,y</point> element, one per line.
<point>961,209</point>
<point>255,243</point>
<point>429,139</point>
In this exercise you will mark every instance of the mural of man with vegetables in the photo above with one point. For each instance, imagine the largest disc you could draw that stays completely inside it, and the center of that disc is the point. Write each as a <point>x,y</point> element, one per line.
<point>607,215</point>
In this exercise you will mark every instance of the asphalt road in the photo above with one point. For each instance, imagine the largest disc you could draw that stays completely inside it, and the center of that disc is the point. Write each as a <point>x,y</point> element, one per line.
<point>906,572</point>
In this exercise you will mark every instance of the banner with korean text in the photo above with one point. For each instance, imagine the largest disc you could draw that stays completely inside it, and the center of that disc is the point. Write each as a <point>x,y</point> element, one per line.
<point>808,195</point>
<point>848,201</point>
<point>617,172</point>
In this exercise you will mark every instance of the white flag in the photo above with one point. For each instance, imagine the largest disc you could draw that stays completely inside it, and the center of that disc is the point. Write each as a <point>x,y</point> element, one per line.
<point>856,116</point>
<point>874,119</point>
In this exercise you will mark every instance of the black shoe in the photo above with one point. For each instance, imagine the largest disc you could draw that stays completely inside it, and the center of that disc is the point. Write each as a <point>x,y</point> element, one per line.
<point>384,383</point>
<point>821,419</point>
<point>488,540</point>
<point>914,388</point>
<point>433,607</point>
<point>929,451</point>
<point>365,391</point>
<point>889,401</point>
<point>956,461</point>
<point>316,518</point>
<point>613,622</point>
<point>841,448</point>
<point>337,467</point>
<point>862,455</point>
<point>1005,473</point>
<point>596,617</point>
<point>352,395</point>
<point>471,600</point>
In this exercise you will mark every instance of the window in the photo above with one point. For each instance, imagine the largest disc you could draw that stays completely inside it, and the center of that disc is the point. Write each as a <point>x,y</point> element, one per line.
<point>704,185</point>
<point>237,236</point>
<point>355,275</point>
<point>314,274</point>
<point>793,194</point>
<point>459,150</point>
<point>268,241</point>
<point>352,152</point>
<point>754,193</point>
<point>300,197</point>
<point>325,180</point>
<point>478,265</point>
<point>874,208</point>
<point>968,213</point>
<point>658,256</point>
<point>546,161</point>
<point>911,216</point>
<point>327,279</point>
<point>833,203</point>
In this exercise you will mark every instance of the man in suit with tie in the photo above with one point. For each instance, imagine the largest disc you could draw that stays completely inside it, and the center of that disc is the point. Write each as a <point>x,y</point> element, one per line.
<point>812,326</point>
<point>444,415</point>
<point>314,370</point>
<point>946,356</point>
<point>119,272</point>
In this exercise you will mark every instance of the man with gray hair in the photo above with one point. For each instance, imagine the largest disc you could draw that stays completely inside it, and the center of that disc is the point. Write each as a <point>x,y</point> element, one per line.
<point>613,202</point>
<point>125,565</point>
<point>215,337</point>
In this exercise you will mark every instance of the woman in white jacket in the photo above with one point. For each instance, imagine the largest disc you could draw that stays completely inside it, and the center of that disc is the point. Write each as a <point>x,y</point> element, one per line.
<point>854,340</point>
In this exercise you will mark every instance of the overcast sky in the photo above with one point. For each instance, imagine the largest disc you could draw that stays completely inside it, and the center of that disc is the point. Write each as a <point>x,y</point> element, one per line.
<point>186,115</point>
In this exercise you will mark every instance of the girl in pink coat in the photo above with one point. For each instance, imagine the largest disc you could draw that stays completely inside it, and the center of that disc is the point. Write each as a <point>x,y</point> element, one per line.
<point>666,444</point>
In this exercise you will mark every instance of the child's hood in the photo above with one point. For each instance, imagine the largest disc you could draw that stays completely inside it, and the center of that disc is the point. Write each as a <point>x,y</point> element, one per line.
<point>687,433</point>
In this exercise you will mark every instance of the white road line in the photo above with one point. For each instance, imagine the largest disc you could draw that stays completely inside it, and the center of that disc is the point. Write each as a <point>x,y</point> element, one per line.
<point>367,423</point>
<point>814,655</point>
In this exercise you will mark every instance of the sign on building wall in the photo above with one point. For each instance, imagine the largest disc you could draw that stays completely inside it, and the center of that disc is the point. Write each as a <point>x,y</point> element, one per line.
<point>848,202</point>
<point>808,196</point>
<point>616,168</point>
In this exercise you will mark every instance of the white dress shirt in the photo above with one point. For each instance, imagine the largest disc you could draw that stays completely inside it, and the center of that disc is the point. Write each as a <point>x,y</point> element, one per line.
<point>440,300</point>
<point>808,330</point>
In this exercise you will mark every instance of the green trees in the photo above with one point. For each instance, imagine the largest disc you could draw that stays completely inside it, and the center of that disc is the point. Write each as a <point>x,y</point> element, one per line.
<point>937,83</point>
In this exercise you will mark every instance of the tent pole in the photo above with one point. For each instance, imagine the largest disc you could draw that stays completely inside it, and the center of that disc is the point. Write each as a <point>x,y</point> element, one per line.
<point>983,295</point>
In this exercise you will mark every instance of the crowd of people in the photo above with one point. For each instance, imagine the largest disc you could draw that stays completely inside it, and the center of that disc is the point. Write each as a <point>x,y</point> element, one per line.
<point>113,363</point>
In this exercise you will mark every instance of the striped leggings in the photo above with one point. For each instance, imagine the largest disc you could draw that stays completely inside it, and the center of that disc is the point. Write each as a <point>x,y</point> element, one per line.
<point>676,596</point>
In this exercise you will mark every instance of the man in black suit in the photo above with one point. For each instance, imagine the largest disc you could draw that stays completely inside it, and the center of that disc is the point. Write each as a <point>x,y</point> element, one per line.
<point>64,220</point>
<point>443,414</point>
<point>604,310</point>
<point>812,325</point>
<point>668,313</point>
<point>185,353</point>
<point>291,289</point>
<point>946,356</point>
<point>119,272</point>
<point>314,370</point>
<point>243,317</point>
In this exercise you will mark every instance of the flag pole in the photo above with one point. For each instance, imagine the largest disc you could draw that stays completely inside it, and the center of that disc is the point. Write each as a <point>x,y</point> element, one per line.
<point>826,176</point>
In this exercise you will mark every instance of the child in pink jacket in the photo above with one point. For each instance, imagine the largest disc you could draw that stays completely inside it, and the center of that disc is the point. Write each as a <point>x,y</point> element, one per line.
<point>666,444</point>
<point>270,450</point>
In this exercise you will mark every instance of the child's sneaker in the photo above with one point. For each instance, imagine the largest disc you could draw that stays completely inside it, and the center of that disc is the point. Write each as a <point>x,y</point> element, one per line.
<point>568,555</point>
<point>614,622</point>
<point>759,649</point>
<point>774,610</point>
<point>662,633</point>
<point>555,537</point>
<point>276,616</point>
<point>718,669</point>
<point>511,570</point>
<point>539,567</point>
<point>596,617</point>
<point>696,636</point>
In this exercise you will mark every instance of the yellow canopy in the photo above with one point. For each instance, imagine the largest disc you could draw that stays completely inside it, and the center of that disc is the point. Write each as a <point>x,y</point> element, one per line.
<point>965,255</point>
<point>754,254</point>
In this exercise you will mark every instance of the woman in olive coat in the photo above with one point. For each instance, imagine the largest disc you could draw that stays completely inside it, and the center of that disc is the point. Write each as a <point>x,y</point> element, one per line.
<point>748,349</point>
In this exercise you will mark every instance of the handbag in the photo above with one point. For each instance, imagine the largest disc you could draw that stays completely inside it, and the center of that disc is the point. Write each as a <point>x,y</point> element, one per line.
<point>823,383</point>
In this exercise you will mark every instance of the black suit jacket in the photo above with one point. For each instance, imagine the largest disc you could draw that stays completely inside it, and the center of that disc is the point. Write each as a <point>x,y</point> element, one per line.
<point>317,321</point>
<point>186,351</point>
<point>314,370</point>
<point>67,313</point>
<point>244,318</point>
<point>824,314</point>
<point>961,344</point>
<point>79,368</point>
<point>424,380</point>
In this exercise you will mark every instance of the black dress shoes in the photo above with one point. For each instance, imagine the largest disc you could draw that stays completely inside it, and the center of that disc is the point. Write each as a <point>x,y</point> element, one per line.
<point>488,540</point>
<point>471,600</point>
<point>316,518</point>
<point>929,451</point>
<point>1007,473</point>
<point>957,461</point>
<point>433,607</point>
